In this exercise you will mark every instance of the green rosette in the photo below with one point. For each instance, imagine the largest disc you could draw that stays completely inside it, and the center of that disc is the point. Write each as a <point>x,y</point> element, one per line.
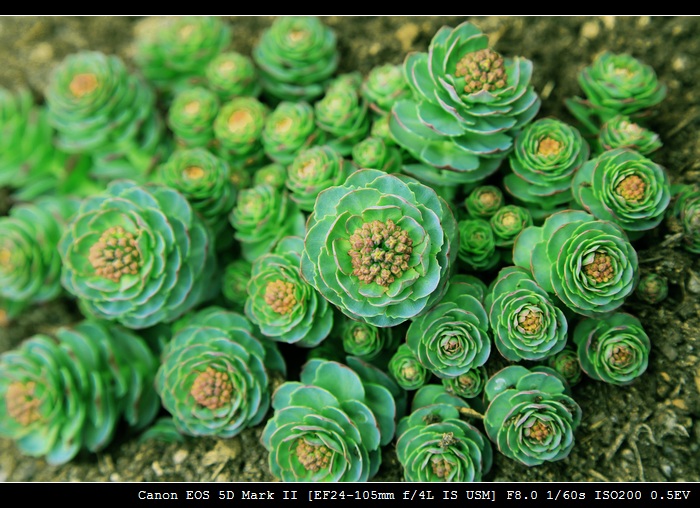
<point>97,107</point>
<point>452,337</point>
<point>383,86</point>
<point>296,57</point>
<point>621,132</point>
<point>284,306</point>
<point>365,341</point>
<point>173,52</point>
<point>547,154</point>
<point>290,129</point>
<point>507,223</point>
<point>484,201</point>
<point>477,245</point>
<point>405,368</point>
<point>263,216</point>
<point>274,175</point>
<point>214,376</point>
<point>468,385</point>
<point>614,350</point>
<point>652,288</point>
<point>138,255</point>
<point>530,417</point>
<point>313,171</point>
<point>205,180</point>
<point>380,247</point>
<point>588,264</point>
<point>231,74</point>
<point>191,117</point>
<point>66,393</point>
<point>234,284</point>
<point>238,130</point>
<point>624,187</point>
<point>687,209</point>
<point>468,104</point>
<point>525,322</point>
<point>566,363</point>
<point>375,153</point>
<point>30,268</point>
<point>435,445</point>
<point>328,427</point>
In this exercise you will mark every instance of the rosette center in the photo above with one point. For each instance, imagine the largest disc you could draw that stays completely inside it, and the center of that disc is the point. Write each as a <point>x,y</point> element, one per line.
<point>600,268</point>
<point>380,252</point>
<point>631,188</point>
<point>530,320</point>
<point>482,70</point>
<point>314,457</point>
<point>279,295</point>
<point>539,431</point>
<point>548,146</point>
<point>212,389</point>
<point>115,254</point>
<point>22,406</point>
<point>83,84</point>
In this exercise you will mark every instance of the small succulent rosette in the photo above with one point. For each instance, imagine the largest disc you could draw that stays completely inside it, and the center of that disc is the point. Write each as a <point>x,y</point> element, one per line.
<point>477,245</point>
<point>383,86</point>
<point>215,373</point>
<point>687,209</point>
<point>263,215</point>
<point>526,323</point>
<point>566,363</point>
<point>507,223</point>
<point>231,74</point>
<point>66,393</point>
<point>614,350</point>
<point>290,129</point>
<point>30,268</point>
<point>191,117</point>
<point>238,130</point>
<point>588,264</point>
<point>546,155</point>
<point>435,445</point>
<point>234,283</point>
<point>468,385</point>
<point>624,187</point>
<point>453,336</point>
<point>621,132</point>
<point>282,304</point>
<point>205,180</point>
<point>468,104</point>
<point>312,171</point>
<point>380,247</point>
<point>375,153</point>
<point>296,57</point>
<point>652,288</point>
<point>615,84</point>
<point>138,255</point>
<point>173,52</point>
<point>97,107</point>
<point>274,175</point>
<point>364,341</point>
<point>484,201</point>
<point>405,368</point>
<point>529,416</point>
<point>329,427</point>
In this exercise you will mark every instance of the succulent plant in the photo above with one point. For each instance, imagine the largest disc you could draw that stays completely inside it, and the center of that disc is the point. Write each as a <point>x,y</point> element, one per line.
<point>290,129</point>
<point>366,341</point>
<point>191,117</point>
<point>231,74</point>
<point>138,255</point>
<point>97,107</point>
<point>566,363</point>
<point>312,171</point>
<point>588,264</point>
<point>614,350</point>
<point>687,209</point>
<point>205,180</point>
<point>529,416</point>
<point>380,247</point>
<point>263,216</point>
<point>435,445</point>
<point>173,52</point>
<point>477,245</point>
<point>468,104</point>
<point>296,57</point>
<point>65,393</point>
<point>526,323</point>
<point>452,337</point>
<point>546,155</point>
<point>328,427</point>
<point>162,430</point>
<point>484,201</point>
<point>384,86</point>
<point>467,385</point>
<point>621,132</point>
<point>624,187</point>
<point>508,222</point>
<point>274,175</point>
<point>215,374</point>
<point>284,306</point>
<point>238,130</point>
<point>405,368</point>
<point>652,288</point>
<point>375,153</point>
<point>30,268</point>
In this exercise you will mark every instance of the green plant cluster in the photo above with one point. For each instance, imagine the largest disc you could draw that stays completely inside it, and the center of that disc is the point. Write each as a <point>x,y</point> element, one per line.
<point>402,235</point>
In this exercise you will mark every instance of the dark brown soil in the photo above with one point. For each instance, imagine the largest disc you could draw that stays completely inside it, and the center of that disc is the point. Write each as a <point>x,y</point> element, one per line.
<point>648,431</point>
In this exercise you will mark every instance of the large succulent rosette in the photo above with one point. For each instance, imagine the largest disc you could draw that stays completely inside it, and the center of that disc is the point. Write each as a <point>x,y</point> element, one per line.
<point>138,255</point>
<point>525,322</point>
<point>614,350</point>
<point>215,374</point>
<point>530,417</point>
<point>452,337</point>
<point>624,187</point>
<point>380,247</point>
<point>314,170</point>
<point>588,264</point>
<point>329,427</point>
<point>62,394</point>
<point>282,304</point>
<point>468,104</point>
